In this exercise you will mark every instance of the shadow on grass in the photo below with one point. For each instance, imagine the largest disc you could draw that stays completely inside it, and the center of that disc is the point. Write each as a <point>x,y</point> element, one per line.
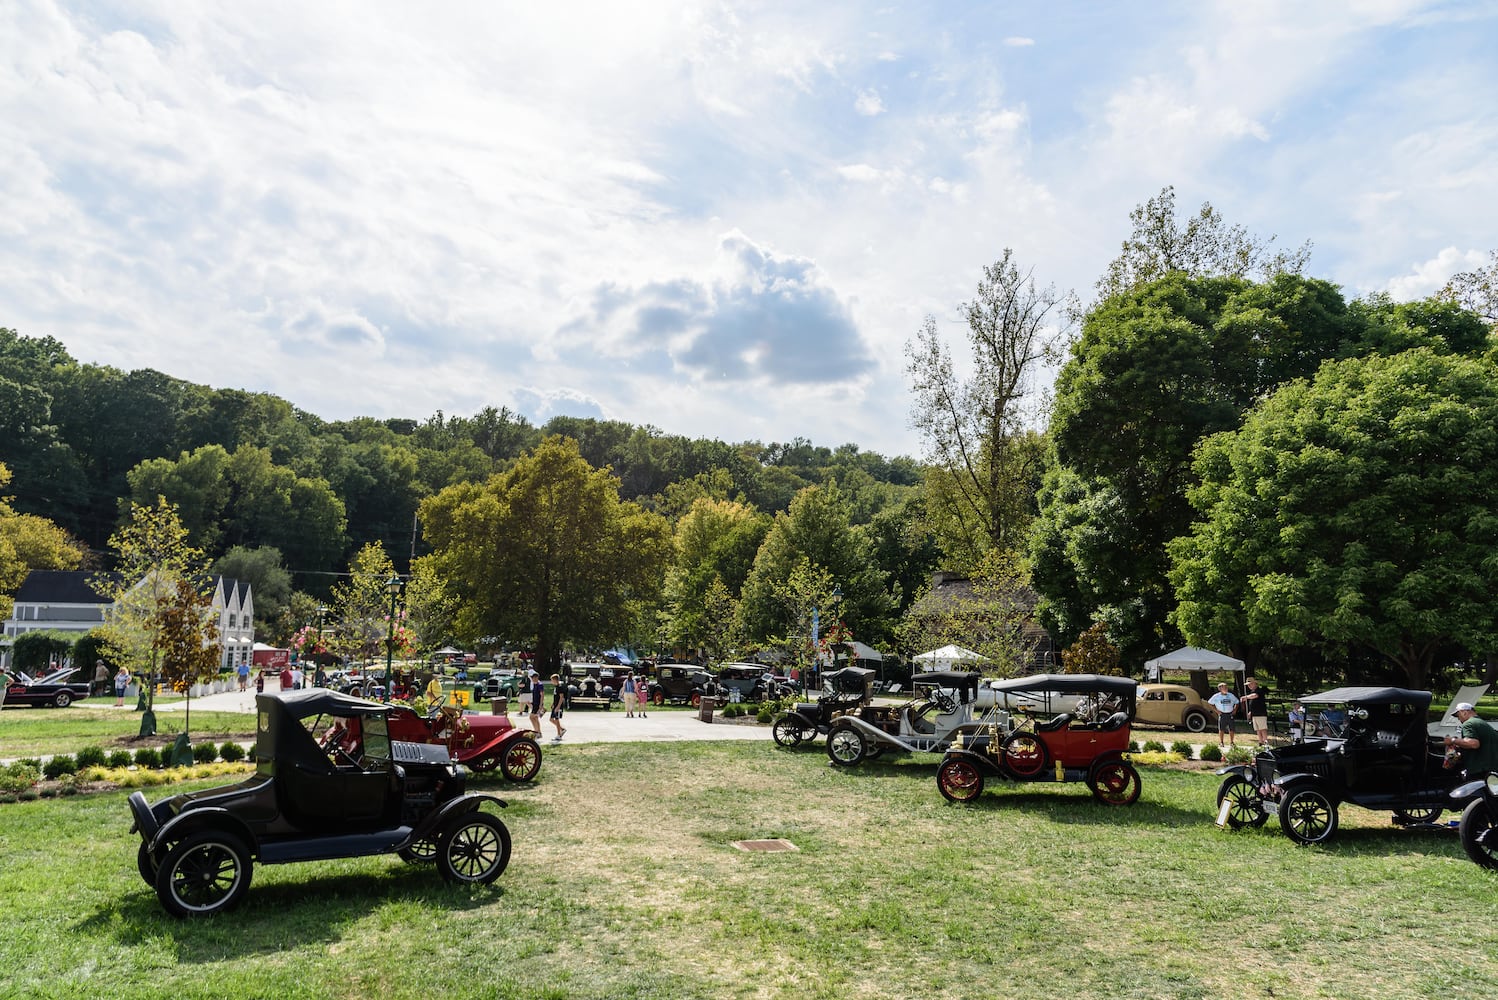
<point>321,909</point>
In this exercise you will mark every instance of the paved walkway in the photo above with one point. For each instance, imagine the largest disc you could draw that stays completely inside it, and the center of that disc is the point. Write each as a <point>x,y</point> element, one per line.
<point>584,725</point>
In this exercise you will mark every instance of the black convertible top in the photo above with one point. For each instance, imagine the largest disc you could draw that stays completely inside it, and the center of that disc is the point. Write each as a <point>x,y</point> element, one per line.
<point>1369,696</point>
<point>962,680</point>
<point>1070,683</point>
<point>317,701</point>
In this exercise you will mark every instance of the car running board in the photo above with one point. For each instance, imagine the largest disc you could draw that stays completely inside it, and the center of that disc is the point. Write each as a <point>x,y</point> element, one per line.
<point>280,852</point>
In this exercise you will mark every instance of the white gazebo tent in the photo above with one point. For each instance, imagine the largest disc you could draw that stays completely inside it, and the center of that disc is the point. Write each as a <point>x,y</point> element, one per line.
<point>1194,661</point>
<point>948,657</point>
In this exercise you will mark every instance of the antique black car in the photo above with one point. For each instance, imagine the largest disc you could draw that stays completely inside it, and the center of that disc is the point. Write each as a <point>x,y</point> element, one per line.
<point>680,682</point>
<point>843,691</point>
<point>54,690</point>
<point>588,691</point>
<point>1385,759</point>
<point>310,800</point>
<point>749,682</point>
<point>1479,823</point>
<point>1051,746</point>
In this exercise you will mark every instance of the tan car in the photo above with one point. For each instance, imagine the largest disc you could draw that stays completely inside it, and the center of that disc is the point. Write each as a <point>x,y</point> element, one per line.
<point>1174,705</point>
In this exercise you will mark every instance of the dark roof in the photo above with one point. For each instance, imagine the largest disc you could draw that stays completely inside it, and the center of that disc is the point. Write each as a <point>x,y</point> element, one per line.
<point>1369,696</point>
<point>58,586</point>
<point>1066,682</point>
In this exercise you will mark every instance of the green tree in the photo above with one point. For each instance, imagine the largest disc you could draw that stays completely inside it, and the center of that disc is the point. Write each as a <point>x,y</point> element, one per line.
<point>358,625</point>
<point>993,615</point>
<point>715,545</point>
<point>1204,246</point>
<point>1355,510</point>
<point>1092,653</point>
<point>547,553</point>
<point>1477,290</point>
<point>28,542</point>
<point>814,538</point>
<point>982,461</point>
<point>152,555</point>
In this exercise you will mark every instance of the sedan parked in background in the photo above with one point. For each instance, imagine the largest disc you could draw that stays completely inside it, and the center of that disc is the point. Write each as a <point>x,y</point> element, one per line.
<point>51,691</point>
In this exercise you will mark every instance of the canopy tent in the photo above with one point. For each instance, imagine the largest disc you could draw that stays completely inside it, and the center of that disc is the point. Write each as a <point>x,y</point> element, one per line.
<point>1191,658</point>
<point>947,657</point>
<point>862,652</point>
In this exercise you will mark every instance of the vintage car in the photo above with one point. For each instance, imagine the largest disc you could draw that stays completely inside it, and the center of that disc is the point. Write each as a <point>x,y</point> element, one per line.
<point>54,690</point>
<point>308,803</point>
<point>588,691</point>
<point>478,741</point>
<point>1173,705</point>
<point>680,682</point>
<point>1479,823</point>
<point>843,691</point>
<point>1385,759</point>
<point>497,684</point>
<point>1062,747</point>
<point>752,681</point>
<point>944,707</point>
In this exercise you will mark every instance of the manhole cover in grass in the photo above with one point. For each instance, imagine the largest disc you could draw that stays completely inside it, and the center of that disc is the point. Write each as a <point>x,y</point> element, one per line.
<point>766,846</point>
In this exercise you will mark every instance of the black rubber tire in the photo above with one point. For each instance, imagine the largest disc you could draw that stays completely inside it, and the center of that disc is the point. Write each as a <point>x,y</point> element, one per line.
<point>1308,816</point>
<point>1411,817</point>
<point>63,699</point>
<point>1025,755</point>
<point>959,780</point>
<point>205,873</point>
<point>147,864</point>
<point>1115,783</point>
<point>1195,722</point>
<point>658,699</point>
<point>473,850</point>
<point>1248,805</point>
<point>787,731</point>
<point>846,746</point>
<point>1479,833</point>
<point>522,760</point>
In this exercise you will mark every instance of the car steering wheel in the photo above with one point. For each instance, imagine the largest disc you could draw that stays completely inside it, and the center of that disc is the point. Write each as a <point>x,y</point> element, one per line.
<point>944,701</point>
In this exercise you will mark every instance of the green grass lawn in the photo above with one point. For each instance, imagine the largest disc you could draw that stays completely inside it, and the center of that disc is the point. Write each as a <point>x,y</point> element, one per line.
<point>35,732</point>
<point>624,883</point>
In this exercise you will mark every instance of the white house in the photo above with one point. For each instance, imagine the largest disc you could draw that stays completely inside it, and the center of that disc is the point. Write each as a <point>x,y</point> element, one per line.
<point>65,601</point>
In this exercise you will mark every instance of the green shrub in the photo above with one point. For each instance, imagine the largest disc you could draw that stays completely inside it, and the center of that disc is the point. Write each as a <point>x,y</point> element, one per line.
<point>90,757</point>
<point>1154,746</point>
<point>120,758</point>
<point>59,765</point>
<point>765,715</point>
<point>1239,755</point>
<point>147,757</point>
<point>1184,748</point>
<point>68,785</point>
<point>35,762</point>
<point>205,753</point>
<point>29,795</point>
<point>18,777</point>
<point>1211,751</point>
<point>1133,746</point>
<point>231,752</point>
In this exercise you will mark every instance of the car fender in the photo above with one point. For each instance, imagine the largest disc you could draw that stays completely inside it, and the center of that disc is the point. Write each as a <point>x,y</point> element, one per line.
<point>1106,757</point>
<point>1244,771</point>
<point>1295,782</point>
<point>981,761</point>
<point>193,820</point>
<point>873,732</point>
<point>462,804</point>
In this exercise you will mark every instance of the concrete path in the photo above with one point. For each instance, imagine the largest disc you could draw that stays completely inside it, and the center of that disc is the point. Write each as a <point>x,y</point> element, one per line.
<point>583,725</point>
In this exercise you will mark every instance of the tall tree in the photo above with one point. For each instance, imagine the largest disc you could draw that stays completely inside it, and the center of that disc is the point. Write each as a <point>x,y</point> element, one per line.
<point>982,458</point>
<point>150,605</point>
<point>360,625</point>
<point>1203,247</point>
<point>1355,510</point>
<point>715,545</point>
<point>547,552</point>
<point>28,542</point>
<point>1477,290</point>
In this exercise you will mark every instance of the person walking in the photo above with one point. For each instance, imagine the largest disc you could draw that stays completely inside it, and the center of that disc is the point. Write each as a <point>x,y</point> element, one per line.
<point>1226,703</point>
<point>121,682</point>
<point>628,693</point>
<point>558,700</point>
<point>1256,707</point>
<point>538,694</point>
<point>244,675</point>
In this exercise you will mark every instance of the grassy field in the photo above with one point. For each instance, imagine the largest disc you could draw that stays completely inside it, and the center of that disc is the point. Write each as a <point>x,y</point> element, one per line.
<point>37,732</point>
<point>624,884</point>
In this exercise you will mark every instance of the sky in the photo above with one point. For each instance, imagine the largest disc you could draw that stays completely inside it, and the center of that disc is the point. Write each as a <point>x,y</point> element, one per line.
<point>719,219</point>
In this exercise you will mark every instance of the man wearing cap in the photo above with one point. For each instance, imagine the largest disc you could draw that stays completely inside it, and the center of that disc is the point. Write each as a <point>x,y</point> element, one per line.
<point>538,695</point>
<point>1478,741</point>
<point>1226,703</point>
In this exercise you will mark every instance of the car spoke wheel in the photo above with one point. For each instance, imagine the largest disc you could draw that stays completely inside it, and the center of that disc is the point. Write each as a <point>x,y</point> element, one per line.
<point>787,731</point>
<point>1247,807</point>
<point>1412,817</point>
<point>1308,817</point>
<point>658,698</point>
<point>1196,722</point>
<point>1025,755</point>
<point>1479,832</point>
<point>205,873</point>
<point>421,852</point>
<point>474,850</point>
<point>696,699</point>
<point>959,780</point>
<point>845,746</point>
<point>1115,783</point>
<point>522,760</point>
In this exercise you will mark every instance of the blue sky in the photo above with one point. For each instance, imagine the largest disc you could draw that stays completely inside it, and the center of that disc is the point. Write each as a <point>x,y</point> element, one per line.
<point>721,219</point>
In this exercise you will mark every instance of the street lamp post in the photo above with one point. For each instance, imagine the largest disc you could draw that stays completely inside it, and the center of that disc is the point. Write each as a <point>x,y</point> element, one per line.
<point>394,586</point>
<point>322,614</point>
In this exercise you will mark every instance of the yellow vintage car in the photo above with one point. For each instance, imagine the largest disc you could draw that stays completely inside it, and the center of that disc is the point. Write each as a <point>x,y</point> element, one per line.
<point>1173,705</point>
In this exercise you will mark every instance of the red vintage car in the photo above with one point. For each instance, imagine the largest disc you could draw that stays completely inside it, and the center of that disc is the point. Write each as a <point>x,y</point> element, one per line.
<point>1060,748</point>
<point>478,742</point>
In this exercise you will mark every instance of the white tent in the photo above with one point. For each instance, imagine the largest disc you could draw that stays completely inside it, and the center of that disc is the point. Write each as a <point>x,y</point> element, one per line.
<point>948,657</point>
<point>862,652</point>
<point>1191,658</point>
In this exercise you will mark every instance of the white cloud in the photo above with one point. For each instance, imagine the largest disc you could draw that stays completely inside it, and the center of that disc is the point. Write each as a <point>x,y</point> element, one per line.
<point>1019,42</point>
<point>869,104</point>
<point>1425,278</point>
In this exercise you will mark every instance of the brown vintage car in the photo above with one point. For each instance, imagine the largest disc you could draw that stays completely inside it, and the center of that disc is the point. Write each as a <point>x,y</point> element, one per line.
<point>1173,705</point>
